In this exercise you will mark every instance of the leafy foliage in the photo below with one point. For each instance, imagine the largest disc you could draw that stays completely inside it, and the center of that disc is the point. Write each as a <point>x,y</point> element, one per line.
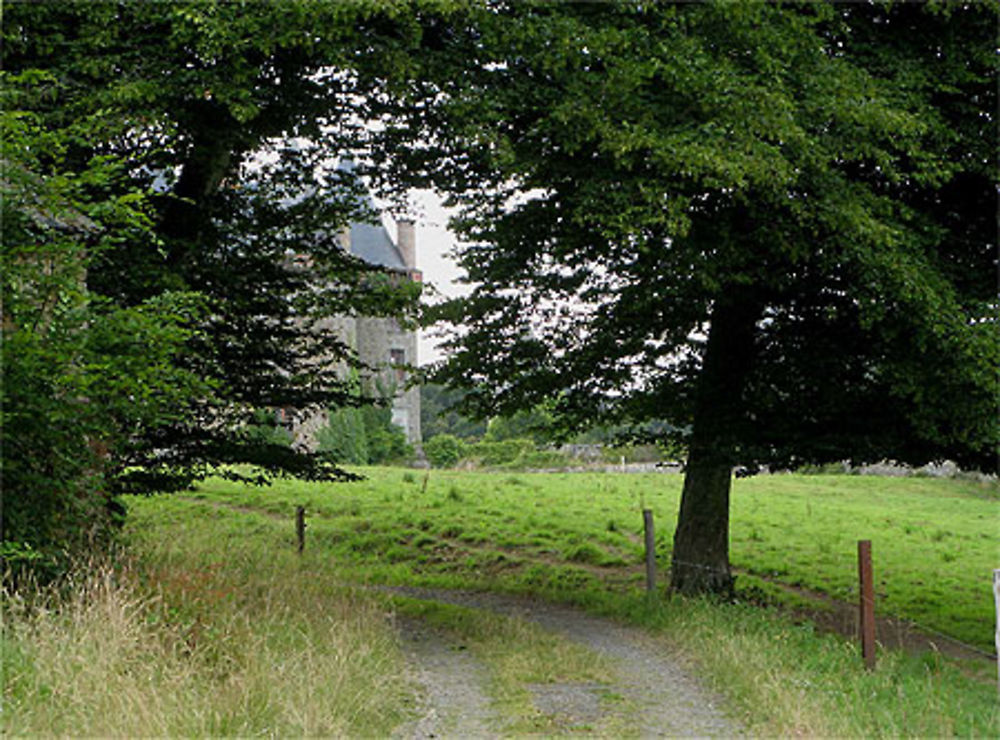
<point>81,374</point>
<point>668,156</point>
<point>164,278</point>
<point>762,224</point>
<point>536,424</point>
<point>440,413</point>
<point>444,450</point>
<point>363,436</point>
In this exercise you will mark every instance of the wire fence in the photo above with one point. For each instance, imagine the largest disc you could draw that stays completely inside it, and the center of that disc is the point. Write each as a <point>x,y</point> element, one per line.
<point>726,573</point>
<point>905,621</point>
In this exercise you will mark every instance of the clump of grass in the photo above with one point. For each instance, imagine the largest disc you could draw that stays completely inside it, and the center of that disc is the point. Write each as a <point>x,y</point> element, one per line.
<point>585,552</point>
<point>193,651</point>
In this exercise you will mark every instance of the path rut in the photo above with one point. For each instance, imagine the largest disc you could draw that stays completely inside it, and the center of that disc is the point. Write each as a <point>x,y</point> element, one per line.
<point>454,703</point>
<point>665,701</point>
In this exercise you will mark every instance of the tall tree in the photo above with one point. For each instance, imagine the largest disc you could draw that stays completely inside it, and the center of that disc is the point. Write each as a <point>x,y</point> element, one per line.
<point>80,373</point>
<point>765,224</point>
<point>219,122</point>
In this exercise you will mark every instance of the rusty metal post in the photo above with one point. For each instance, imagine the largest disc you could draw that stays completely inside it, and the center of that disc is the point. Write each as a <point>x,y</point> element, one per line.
<point>647,521</point>
<point>300,527</point>
<point>867,603</point>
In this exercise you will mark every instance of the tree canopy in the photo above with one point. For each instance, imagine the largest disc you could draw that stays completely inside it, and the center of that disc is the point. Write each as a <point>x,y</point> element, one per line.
<point>768,225</point>
<point>172,211</point>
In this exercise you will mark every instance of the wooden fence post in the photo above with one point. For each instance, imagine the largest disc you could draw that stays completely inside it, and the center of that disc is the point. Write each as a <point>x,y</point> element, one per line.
<point>647,521</point>
<point>300,527</point>
<point>867,603</point>
<point>996,601</point>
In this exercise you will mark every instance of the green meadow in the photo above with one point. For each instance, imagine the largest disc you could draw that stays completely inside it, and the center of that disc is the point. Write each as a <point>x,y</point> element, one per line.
<point>575,536</point>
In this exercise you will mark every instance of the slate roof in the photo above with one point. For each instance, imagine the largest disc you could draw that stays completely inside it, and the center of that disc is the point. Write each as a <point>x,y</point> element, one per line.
<point>374,245</point>
<point>371,242</point>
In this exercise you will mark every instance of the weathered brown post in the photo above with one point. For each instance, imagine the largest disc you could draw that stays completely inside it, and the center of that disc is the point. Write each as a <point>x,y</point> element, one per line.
<point>867,604</point>
<point>300,527</point>
<point>647,521</point>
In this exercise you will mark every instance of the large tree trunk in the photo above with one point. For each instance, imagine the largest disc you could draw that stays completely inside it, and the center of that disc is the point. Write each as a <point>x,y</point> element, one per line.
<point>216,144</point>
<point>701,541</point>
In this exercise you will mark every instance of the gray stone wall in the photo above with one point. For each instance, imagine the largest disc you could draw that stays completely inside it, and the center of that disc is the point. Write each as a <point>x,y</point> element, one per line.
<point>383,345</point>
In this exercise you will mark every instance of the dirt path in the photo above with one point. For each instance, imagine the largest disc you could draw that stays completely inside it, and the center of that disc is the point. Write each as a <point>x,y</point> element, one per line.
<point>662,699</point>
<point>454,703</point>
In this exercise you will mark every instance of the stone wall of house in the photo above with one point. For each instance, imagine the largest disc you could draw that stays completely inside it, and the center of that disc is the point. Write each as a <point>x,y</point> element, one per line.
<point>384,345</point>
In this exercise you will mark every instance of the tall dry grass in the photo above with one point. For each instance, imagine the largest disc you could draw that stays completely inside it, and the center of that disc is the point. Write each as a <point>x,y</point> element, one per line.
<point>175,650</point>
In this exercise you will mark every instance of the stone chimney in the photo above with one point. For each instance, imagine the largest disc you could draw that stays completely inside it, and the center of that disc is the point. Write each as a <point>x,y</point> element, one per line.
<point>344,238</point>
<point>406,240</point>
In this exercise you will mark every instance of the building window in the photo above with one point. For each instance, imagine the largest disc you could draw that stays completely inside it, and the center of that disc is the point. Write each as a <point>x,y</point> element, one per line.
<point>397,360</point>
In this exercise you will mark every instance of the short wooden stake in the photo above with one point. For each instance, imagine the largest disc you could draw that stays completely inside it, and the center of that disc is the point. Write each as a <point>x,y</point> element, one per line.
<point>996,600</point>
<point>867,604</point>
<point>300,527</point>
<point>647,521</point>
<point>427,477</point>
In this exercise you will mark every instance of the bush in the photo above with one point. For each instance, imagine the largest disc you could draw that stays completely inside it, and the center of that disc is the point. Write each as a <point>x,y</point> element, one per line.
<point>542,459</point>
<point>444,450</point>
<point>343,439</point>
<point>519,452</point>
<point>363,436</point>
<point>504,452</point>
<point>386,441</point>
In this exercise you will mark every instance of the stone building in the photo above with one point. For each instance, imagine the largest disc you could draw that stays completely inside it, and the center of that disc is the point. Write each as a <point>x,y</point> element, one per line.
<point>380,343</point>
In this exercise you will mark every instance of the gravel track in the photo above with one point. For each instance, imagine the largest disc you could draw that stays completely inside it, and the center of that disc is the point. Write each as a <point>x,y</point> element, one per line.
<point>454,703</point>
<point>663,700</point>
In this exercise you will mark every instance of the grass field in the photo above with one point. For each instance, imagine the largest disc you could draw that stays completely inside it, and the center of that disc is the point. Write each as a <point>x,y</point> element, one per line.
<point>216,627</point>
<point>935,541</point>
